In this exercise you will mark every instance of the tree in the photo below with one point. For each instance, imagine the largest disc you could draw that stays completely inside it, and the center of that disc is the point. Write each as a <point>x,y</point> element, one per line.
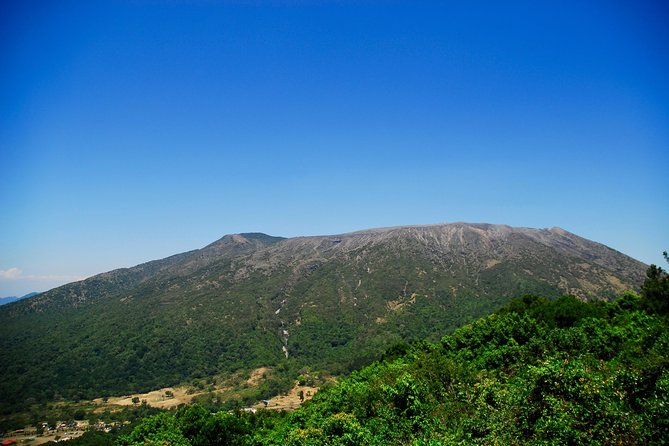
<point>161,429</point>
<point>655,289</point>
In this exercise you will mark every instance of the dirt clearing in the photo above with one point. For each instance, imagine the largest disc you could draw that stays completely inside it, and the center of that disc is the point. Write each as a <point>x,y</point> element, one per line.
<point>165,398</point>
<point>291,401</point>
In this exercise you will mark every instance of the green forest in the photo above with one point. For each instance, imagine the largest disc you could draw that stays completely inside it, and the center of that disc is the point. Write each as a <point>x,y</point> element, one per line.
<point>536,372</point>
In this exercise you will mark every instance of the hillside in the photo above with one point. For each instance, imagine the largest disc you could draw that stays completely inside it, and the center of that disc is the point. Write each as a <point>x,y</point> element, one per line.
<point>536,373</point>
<point>250,300</point>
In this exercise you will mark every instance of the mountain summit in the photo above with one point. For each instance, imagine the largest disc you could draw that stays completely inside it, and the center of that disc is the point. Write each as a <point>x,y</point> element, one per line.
<point>326,302</point>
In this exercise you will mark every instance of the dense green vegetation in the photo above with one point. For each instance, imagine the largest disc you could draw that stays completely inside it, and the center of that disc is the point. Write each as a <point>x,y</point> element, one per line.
<point>655,290</point>
<point>536,372</point>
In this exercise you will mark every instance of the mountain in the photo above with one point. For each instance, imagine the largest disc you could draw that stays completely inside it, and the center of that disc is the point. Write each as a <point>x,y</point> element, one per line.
<point>328,303</point>
<point>10,299</point>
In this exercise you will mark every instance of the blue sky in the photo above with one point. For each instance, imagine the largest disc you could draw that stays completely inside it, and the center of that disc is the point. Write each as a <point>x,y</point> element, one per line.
<point>133,130</point>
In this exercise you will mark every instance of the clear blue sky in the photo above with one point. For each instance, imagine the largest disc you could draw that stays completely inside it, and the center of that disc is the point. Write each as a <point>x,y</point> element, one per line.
<point>133,130</point>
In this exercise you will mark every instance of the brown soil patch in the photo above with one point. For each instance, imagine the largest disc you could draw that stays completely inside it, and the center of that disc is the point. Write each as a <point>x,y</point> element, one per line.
<point>617,284</point>
<point>397,305</point>
<point>257,376</point>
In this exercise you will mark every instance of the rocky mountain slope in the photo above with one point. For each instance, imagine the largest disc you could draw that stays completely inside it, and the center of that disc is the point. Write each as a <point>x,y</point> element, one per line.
<point>250,300</point>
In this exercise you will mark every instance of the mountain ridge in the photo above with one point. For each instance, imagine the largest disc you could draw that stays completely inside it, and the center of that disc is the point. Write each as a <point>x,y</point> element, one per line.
<point>10,299</point>
<point>244,243</point>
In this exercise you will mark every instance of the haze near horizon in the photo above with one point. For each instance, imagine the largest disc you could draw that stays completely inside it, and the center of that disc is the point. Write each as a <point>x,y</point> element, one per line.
<point>135,130</point>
